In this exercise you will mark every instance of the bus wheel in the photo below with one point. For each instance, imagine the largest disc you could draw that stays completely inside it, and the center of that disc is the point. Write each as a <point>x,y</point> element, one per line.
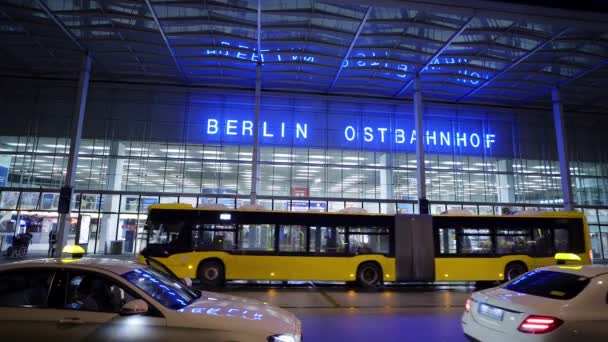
<point>211,273</point>
<point>514,270</point>
<point>369,275</point>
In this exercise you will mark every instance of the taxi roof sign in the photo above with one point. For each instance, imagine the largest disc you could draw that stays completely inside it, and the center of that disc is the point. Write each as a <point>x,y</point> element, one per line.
<point>73,250</point>
<point>567,257</point>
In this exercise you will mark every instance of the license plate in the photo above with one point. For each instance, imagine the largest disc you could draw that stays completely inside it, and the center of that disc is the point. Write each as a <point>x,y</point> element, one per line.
<point>490,311</point>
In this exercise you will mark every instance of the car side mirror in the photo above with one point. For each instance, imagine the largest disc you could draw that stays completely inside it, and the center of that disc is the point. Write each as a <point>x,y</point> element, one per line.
<point>134,307</point>
<point>187,282</point>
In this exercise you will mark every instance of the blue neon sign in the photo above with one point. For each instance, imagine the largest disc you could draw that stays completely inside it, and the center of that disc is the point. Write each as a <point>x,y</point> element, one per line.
<point>389,132</point>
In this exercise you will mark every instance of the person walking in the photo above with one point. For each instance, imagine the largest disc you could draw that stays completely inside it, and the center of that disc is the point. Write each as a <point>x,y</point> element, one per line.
<point>52,241</point>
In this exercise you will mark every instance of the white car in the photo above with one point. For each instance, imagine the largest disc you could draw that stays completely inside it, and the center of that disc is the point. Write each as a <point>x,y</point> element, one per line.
<point>556,303</point>
<point>104,300</point>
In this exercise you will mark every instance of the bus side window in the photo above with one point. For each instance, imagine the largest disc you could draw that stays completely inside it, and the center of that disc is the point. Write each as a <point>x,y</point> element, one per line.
<point>543,245</point>
<point>368,240</point>
<point>475,241</point>
<point>562,242</point>
<point>213,237</point>
<point>327,240</point>
<point>256,237</point>
<point>292,239</point>
<point>447,241</point>
<point>513,241</point>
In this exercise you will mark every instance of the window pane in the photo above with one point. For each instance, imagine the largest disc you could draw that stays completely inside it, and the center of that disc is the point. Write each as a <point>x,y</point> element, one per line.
<point>25,288</point>
<point>292,239</point>
<point>562,242</point>
<point>514,241</point>
<point>447,241</point>
<point>368,240</point>
<point>258,237</point>
<point>91,292</point>
<point>327,240</point>
<point>479,243</point>
<point>214,237</point>
<point>9,199</point>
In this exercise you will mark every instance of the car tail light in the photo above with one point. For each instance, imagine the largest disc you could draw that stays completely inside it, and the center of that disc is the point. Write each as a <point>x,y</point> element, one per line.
<point>467,305</point>
<point>539,324</point>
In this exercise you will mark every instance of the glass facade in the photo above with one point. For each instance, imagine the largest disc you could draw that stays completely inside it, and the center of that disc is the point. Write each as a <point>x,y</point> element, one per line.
<point>155,145</point>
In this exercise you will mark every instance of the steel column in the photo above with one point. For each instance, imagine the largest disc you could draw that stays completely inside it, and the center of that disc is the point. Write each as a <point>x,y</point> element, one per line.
<point>423,205</point>
<point>63,226</point>
<point>438,53</point>
<point>562,151</point>
<point>350,48</point>
<point>255,157</point>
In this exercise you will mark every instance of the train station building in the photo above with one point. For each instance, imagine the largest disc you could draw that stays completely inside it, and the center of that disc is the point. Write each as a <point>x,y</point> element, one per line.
<point>297,106</point>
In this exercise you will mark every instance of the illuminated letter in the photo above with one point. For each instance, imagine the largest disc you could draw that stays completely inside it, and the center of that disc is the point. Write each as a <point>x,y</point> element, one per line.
<point>444,138</point>
<point>211,52</point>
<point>303,131</point>
<point>211,126</point>
<point>352,136</point>
<point>282,130</point>
<point>413,137</point>
<point>345,64</point>
<point>309,59</point>
<point>213,311</point>
<point>230,127</point>
<point>241,55</point>
<point>382,131</point>
<point>474,140</point>
<point>266,134</point>
<point>402,67</point>
<point>475,74</point>
<point>431,137</point>
<point>247,126</point>
<point>254,57</point>
<point>367,131</point>
<point>229,313</point>
<point>459,139</point>
<point>399,136</point>
<point>490,139</point>
<point>198,310</point>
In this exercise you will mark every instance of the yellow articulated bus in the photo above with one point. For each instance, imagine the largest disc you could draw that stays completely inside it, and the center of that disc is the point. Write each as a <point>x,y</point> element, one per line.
<point>216,245</point>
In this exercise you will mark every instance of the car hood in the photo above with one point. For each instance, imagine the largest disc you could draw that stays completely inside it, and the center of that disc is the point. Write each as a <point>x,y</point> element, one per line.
<point>227,312</point>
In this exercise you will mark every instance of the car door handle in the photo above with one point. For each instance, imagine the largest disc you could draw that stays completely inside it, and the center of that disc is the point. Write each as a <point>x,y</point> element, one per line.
<point>71,320</point>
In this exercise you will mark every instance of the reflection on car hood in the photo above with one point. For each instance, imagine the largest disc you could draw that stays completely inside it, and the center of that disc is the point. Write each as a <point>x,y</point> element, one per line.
<point>235,313</point>
<point>520,302</point>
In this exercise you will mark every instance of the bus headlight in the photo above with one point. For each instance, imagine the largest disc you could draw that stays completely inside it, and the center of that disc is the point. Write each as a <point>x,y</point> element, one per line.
<point>283,338</point>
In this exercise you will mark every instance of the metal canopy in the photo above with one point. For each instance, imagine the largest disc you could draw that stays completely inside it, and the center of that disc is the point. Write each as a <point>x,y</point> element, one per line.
<point>510,57</point>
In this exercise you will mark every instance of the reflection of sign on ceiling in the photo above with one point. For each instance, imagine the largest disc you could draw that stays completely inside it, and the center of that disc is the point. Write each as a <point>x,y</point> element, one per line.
<point>369,59</point>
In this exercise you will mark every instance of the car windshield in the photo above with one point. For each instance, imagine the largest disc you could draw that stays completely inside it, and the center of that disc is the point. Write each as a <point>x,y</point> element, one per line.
<point>549,284</point>
<point>167,291</point>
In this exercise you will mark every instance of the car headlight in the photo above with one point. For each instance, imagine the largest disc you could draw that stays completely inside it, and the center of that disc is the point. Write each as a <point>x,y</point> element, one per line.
<point>284,338</point>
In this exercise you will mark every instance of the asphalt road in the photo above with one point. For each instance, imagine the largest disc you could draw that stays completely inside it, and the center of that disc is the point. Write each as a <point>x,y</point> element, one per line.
<point>394,314</point>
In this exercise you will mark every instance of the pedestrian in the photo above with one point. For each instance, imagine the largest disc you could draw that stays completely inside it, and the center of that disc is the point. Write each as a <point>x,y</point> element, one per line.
<point>52,241</point>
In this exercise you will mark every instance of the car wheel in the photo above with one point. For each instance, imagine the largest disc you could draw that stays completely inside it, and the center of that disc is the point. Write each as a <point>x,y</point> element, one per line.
<point>514,270</point>
<point>211,273</point>
<point>369,275</point>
